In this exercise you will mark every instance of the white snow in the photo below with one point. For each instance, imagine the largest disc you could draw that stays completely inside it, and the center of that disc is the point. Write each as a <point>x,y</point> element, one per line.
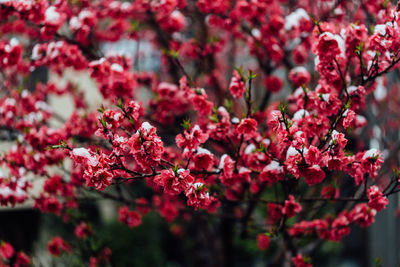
<point>10,102</point>
<point>300,114</point>
<point>98,62</point>
<point>51,14</point>
<point>24,93</point>
<point>274,165</point>
<point>380,92</point>
<point>120,139</point>
<point>266,142</point>
<point>334,136</point>
<point>196,128</point>
<point>299,69</point>
<point>243,170</point>
<point>351,89</point>
<point>256,33</point>
<point>20,193</point>
<point>249,149</point>
<point>35,52</point>
<point>41,105</point>
<point>201,150</point>
<point>126,6</point>
<point>74,23</point>
<point>116,67</point>
<point>373,152</point>
<point>293,19</point>
<point>235,120</point>
<point>146,126</point>
<point>5,192</point>
<point>117,116</point>
<point>361,119</point>
<point>291,152</point>
<point>14,41</point>
<point>85,14</point>
<point>339,40</point>
<point>325,97</point>
<point>81,152</point>
<point>221,162</point>
<point>316,61</point>
<point>181,170</point>
<point>298,92</point>
<point>222,109</point>
<point>380,28</point>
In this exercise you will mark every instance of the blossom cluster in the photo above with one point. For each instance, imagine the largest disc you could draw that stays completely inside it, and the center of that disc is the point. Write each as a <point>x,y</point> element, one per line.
<point>278,142</point>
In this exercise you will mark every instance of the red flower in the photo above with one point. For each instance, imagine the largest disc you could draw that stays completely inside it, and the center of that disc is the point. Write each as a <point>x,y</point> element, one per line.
<point>191,140</point>
<point>22,259</point>
<point>174,182</point>
<point>376,200</point>
<point>113,118</point>
<point>313,175</point>
<point>272,173</point>
<point>203,159</point>
<point>201,105</point>
<point>300,261</point>
<point>82,230</point>
<point>263,241</point>
<point>48,204</point>
<point>130,218</point>
<point>248,127</point>
<point>6,250</point>
<point>53,185</point>
<point>146,146</point>
<point>274,213</point>
<point>57,245</point>
<point>273,83</point>
<point>362,215</point>
<point>299,76</point>
<point>197,196</point>
<point>237,85</point>
<point>291,207</point>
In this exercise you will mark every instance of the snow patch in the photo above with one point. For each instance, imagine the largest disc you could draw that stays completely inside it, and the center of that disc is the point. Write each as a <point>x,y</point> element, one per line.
<point>293,19</point>
<point>201,150</point>
<point>51,14</point>
<point>249,149</point>
<point>146,126</point>
<point>300,114</point>
<point>373,152</point>
<point>116,67</point>
<point>274,166</point>
<point>380,92</point>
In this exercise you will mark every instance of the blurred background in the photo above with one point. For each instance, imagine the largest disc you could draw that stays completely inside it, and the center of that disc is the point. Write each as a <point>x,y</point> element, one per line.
<point>154,242</point>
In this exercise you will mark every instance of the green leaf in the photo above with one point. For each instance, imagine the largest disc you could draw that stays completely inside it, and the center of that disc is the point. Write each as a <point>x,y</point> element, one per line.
<point>360,47</point>
<point>135,25</point>
<point>283,108</point>
<point>228,104</point>
<point>186,124</point>
<point>378,262</point>
<point>214,118</point>
<point>240,71</point>
<point>173,53</point>
<point>251,75</point>
<point>385,3</point>
<point>198,91</point>
<point>120,104</point>
<point>62,145</point>
<point>103,123</point>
